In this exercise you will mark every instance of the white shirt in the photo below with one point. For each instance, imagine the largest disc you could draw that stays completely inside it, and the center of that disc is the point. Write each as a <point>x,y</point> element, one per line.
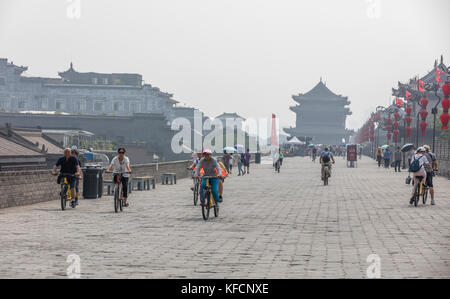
<point>120,167</point>
<point>422,159</point>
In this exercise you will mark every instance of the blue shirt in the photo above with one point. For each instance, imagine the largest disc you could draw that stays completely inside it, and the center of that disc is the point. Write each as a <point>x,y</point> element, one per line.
<point>387,155</point>
<point>329,154</point>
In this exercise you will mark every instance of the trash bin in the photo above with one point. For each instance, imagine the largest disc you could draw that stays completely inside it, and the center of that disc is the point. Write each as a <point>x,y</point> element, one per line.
<point>258,158</point>
<point>92,177</point>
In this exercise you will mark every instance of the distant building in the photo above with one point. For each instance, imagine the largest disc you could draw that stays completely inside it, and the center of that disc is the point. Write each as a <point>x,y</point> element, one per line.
<point>83,93</point>
<point>117,107</point>
<point>321,116</point>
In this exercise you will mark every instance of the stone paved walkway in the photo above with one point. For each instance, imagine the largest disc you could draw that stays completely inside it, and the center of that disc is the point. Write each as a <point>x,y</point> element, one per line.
<point>285,225</point>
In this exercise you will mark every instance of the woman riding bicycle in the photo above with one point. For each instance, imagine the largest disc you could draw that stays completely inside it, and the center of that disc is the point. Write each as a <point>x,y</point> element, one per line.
<point>120,165</point>
<point>211,168</point>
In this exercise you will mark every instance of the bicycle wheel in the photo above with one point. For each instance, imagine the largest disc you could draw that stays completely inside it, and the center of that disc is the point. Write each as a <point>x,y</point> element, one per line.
<point>63,196</point>
<point>120,198</point>
<point>425,196</point>
<point>196,193</point>
<point>417,195</point>
<point>206,205</point>
<point>325,176</point>
<point>116,198</point>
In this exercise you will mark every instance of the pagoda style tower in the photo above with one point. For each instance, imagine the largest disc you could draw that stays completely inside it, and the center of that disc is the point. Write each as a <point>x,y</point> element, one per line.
<point>321,116</point>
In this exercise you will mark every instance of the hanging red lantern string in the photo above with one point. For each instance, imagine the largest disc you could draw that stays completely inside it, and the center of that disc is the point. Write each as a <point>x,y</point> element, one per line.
<point>408,120</point>
<point>445,117</point>
<point>423,115</point>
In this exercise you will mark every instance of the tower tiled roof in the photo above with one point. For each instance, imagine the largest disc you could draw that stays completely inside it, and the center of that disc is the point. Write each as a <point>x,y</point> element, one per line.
<point>319,92</point>
<point>226,115</point>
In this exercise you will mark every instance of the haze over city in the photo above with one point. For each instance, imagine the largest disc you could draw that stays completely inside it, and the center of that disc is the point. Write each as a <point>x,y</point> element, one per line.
<point>247,56</point>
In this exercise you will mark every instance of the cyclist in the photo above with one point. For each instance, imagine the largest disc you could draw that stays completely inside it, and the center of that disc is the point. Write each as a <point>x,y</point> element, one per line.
<point>210,168</point>
<point>222,179</point>
<point>120,164</point>
<point>192,167</point>
<point>430,171</point>
<point>74,152</point>
<point>418,169</point>
<point>70,169</point>
<point>326,159</point>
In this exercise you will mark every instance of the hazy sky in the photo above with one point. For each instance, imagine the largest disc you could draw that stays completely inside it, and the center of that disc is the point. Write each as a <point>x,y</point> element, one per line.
<point>247,56</point>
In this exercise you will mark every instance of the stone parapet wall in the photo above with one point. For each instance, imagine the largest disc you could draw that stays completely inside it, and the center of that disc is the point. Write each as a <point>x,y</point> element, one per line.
<point>18,188</point>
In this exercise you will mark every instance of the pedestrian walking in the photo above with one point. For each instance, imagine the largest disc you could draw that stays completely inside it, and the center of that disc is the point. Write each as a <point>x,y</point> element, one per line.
<point>239,164</point>
<point>248,156</point>
<point>397,159</point>
<point>379,156</point>
<point>387,158</point>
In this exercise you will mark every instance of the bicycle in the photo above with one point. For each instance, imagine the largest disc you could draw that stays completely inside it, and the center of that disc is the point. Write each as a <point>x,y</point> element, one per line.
<point>196,190</point>
<point>118,192</point>
<point>209,198</point>
<point>420,189</point>
<point>66,194</point>
<point>326,174</point>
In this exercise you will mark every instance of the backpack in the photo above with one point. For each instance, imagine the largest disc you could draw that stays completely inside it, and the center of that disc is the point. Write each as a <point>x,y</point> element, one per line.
<point>326,158</point>
<point>415,165</point>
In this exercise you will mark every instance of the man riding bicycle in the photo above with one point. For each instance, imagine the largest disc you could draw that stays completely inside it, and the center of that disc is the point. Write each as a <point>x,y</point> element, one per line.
<point>120,166</point>
<point>326,159</point>
<point>211,168</point>
<point>70,169</point>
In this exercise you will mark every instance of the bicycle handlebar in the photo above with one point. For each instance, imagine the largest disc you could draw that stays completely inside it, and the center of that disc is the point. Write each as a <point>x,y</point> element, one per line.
<point>65,174</point>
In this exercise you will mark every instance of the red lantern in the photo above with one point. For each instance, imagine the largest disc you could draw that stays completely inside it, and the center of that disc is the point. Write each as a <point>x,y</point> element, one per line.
<point>378,116</point>
<point>423,114</point>
<point>446,89</point>
<point>396,133</point>
<point>408,131</point>
<point>408,120</point>
<point>446,104</point>
<point>424,102</point>
<point>389,135</point>
<point>396,125</point>
<point>389,127</point>
<point>423,128</point>
<point>445,117</point>
<point>408,109</point>
<point>397,116</point>
<point>389,120</point>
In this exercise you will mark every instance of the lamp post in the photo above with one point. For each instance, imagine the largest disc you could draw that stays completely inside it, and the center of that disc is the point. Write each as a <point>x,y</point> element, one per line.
<point>434,87</point>
<point>378,111</point>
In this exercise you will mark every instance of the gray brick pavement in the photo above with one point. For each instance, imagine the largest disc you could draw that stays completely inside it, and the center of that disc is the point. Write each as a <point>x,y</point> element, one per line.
<point>272,225</point>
